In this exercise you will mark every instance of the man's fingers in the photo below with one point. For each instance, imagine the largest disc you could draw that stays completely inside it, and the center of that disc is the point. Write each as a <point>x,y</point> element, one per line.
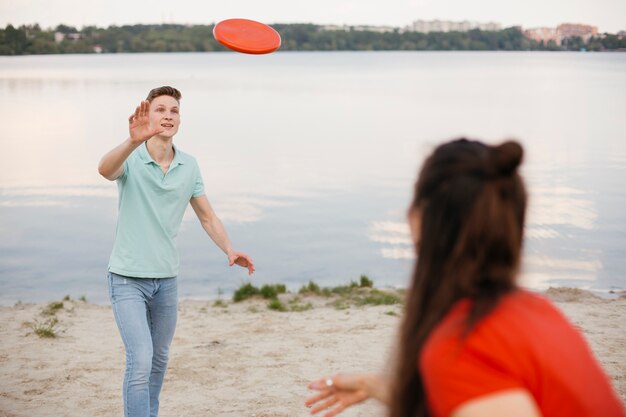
<point>145,108</point>
<point>156,131</point>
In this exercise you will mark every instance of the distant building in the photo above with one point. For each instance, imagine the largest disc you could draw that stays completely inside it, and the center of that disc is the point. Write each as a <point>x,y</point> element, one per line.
<point>97,49</point>
<point>361,28</point>
<point>427,26</point>
<point>571,30</point>
<point>60,36</point>
<point>544,35</point>
<point>621,34</point>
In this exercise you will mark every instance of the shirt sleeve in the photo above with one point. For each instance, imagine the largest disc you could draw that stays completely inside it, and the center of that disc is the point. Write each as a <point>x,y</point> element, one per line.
<point>124,173</point>
<point>198,188</point>
<point>455,371</point>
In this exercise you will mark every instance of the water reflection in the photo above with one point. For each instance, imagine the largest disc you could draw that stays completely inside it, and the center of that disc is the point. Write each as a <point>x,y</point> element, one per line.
<point>309,159</point>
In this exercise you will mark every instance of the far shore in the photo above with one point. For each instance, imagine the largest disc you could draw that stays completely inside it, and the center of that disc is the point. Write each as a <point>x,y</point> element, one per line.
<point>237,359</point>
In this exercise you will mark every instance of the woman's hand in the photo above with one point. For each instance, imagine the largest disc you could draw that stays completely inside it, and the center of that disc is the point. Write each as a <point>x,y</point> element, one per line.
<point>242,260</point>
<point>338,393</point>
<point>139,124</point>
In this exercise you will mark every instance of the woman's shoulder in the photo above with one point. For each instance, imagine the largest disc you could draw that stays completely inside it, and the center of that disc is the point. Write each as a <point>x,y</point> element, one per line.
<point>519,317</point>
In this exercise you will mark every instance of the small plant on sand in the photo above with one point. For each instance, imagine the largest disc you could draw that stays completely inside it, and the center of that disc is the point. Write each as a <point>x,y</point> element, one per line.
<point>313,289</point>
<point>220,303</point>
<point>366,282</point>
<point>52,308</point>
<point>339,304</point>
<point>45,329</point>
<point>269,291</point>
<point>83,298</point>
<point>310,288</point>
<point>300,307</point>
<point>376,297</point>
<point>244,292</point>
<point>276,305</point>
<point>391,313</point>
<point>67,297</point>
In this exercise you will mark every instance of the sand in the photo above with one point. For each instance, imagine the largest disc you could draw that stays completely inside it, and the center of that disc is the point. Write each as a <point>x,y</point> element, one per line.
<point>241,360</point>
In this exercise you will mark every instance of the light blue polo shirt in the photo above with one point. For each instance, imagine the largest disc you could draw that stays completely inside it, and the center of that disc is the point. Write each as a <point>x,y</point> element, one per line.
<point>151,209</point>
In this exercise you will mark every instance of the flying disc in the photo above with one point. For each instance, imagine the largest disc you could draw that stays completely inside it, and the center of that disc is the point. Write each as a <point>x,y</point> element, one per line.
<point>247,36</point>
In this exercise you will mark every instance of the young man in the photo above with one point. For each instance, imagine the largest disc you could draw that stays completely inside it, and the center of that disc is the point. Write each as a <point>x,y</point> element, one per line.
<point>155,182</point>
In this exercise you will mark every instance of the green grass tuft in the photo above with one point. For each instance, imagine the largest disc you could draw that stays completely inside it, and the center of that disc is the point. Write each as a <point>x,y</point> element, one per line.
<point>219,303</point>
<point>310,288</point>
<point>269,291</point>
<point>377,297</point>
<point>366,282</point>
<point>301,307</point>
<point>52,308</point>
<point>244,292</point>
<point>276,305</point>
<point>46,329</point>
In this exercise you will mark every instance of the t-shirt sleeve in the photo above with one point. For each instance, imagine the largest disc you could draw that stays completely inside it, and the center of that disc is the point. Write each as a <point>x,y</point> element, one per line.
<point>124,173</point>
<point>198,188</point>
<point>456,371</point>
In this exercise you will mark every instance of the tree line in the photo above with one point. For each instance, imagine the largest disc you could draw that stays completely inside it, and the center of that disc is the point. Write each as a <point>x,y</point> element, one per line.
<point>32,39</point>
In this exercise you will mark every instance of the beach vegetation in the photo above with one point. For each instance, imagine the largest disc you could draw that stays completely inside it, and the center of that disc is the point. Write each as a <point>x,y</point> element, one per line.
<point>365,282</point>
<point>276,305</point>
<point>267,291</point>
<point>391,313</point>
<point>220,303</point>
<point>271,291</point>
<point>310,288</point>
<point>344,289</point>
<point>83,298</point>
<point>45,329</point>
<point>67,297</point>
<point>244,292</point>
<point>377,297</point>
<point>299,307</point>
<point>52,308</point>
<point>339,304</point>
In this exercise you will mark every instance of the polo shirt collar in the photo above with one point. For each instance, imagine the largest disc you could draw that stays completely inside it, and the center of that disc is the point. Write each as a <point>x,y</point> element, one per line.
<point>147,159</point>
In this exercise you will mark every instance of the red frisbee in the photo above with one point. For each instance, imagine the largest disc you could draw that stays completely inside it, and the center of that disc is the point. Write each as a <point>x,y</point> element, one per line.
<point>247,36</point>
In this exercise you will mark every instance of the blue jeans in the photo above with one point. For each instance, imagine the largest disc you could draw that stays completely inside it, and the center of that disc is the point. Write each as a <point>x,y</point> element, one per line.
<point>145,310</point>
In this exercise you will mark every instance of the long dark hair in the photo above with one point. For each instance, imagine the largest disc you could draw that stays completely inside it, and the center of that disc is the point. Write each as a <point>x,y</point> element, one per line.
<point>472,203</point>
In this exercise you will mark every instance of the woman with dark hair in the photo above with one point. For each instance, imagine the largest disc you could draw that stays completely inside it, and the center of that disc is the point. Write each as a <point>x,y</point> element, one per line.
<point>472,343</point>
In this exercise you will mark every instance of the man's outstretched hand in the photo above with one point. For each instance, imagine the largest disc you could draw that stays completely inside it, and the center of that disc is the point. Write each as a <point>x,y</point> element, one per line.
<point>242,260</point>
<point>139,124</point>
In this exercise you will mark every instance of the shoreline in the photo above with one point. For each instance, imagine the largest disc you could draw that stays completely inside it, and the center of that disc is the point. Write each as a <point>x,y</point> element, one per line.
<point>236,359</point>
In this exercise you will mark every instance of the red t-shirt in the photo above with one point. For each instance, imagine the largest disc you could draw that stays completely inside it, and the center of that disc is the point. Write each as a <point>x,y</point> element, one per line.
<point>525,342</point>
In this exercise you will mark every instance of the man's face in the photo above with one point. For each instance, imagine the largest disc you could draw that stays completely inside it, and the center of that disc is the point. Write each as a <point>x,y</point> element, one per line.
<point>165,112</point>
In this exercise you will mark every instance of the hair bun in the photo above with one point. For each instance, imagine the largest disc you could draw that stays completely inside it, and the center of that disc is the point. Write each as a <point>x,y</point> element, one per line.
<point>506,158</point>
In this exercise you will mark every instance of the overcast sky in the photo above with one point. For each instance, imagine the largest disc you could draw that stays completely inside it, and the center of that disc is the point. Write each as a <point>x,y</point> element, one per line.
<point>607,15</point>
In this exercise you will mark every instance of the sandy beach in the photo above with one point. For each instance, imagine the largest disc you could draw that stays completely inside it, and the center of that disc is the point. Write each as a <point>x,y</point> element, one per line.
<point>235,359</point>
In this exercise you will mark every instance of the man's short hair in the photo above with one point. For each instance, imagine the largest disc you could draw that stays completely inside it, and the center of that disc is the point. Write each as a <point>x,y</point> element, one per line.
<point>164,91</point>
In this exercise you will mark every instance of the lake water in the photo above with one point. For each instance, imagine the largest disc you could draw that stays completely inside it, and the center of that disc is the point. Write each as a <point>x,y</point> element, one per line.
<point>309,159</point>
